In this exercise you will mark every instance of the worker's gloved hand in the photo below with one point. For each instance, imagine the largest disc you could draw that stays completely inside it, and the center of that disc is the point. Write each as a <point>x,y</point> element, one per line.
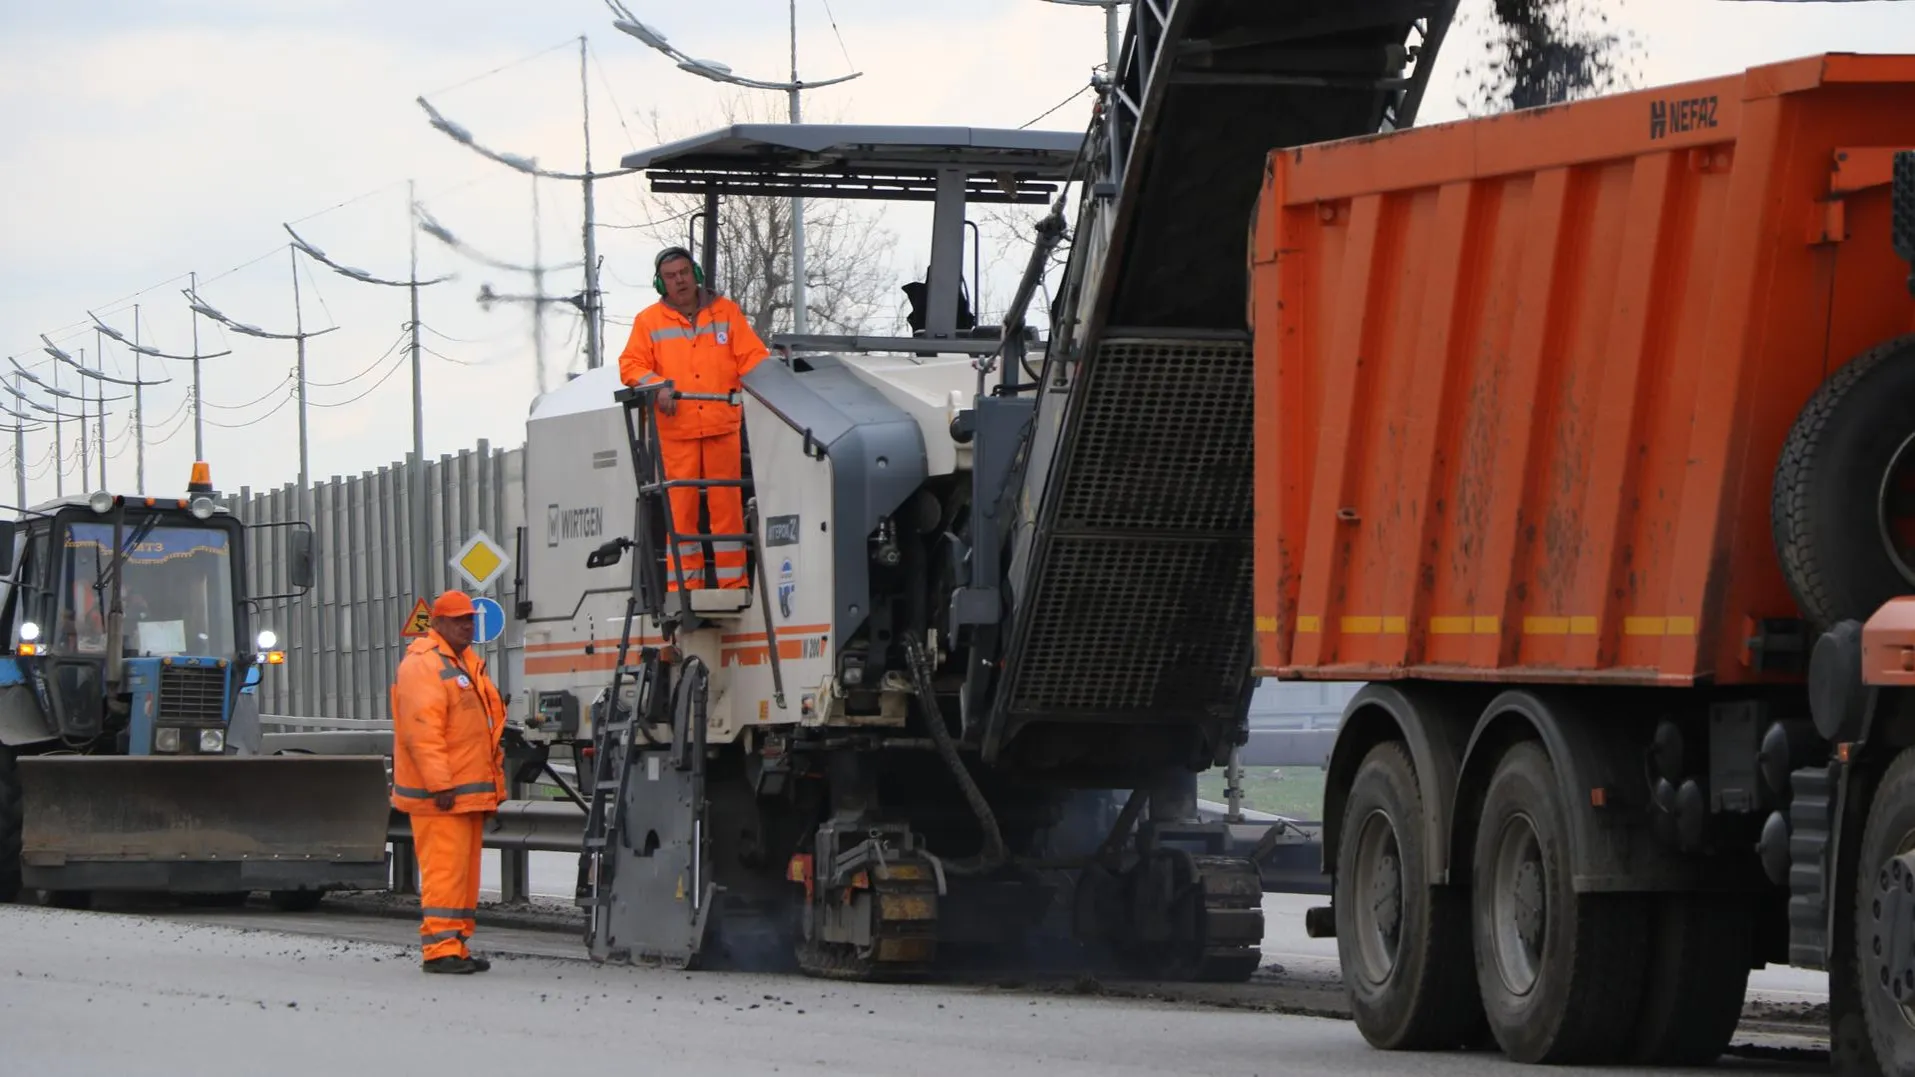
<point>443,801</point>
<point>666,403</point>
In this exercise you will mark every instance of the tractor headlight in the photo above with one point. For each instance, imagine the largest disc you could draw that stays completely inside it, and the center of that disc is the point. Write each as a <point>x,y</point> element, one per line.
<point>166,739</point>
<point>202,507</point>
<point>101,502</point>
<point>212,740</point>
<point>29,631</point>
<point>267,640</point>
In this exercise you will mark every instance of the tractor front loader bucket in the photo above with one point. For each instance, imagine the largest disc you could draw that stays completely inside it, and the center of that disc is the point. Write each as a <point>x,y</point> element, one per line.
<point>204,824</point>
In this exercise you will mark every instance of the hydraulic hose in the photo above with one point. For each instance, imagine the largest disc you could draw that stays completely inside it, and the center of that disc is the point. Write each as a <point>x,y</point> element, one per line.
<point>993,855</point>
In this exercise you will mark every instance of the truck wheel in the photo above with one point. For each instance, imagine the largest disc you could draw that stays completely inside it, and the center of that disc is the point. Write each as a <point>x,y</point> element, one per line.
<point>1843,506</point>
<point>1699,954</point>
<point>1889,835</point>
<point>10,821</point>
<point>1560,983</point>
<point>1402,943</point>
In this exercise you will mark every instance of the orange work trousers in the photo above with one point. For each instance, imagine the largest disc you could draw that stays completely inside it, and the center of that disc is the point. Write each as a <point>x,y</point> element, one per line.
<point>448,847</point>
<point>706,458</point>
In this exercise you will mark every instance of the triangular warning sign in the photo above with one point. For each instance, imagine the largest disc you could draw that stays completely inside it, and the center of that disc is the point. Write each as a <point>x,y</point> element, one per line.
<point>419,623</point>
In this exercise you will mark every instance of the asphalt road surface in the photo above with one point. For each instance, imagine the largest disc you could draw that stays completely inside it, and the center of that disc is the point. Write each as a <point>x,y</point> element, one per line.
<point>88,994</point>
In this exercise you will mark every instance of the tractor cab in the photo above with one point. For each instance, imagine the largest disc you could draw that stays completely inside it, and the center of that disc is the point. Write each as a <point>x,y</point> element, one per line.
<point>127,614</point>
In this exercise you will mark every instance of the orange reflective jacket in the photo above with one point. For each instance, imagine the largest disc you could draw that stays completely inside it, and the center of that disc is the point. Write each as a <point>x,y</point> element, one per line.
<point>447,719</point>
<point>707,353</point>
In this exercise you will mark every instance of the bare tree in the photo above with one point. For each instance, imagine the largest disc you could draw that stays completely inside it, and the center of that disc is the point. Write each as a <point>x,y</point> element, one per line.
<point>848,276</point>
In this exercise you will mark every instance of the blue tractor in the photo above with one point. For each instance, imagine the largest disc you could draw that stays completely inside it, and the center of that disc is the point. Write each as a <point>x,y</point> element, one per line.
<point>130,746</point>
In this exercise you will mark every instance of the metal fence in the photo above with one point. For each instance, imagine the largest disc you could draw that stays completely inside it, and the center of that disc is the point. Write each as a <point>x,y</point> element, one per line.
<point>343,639</point>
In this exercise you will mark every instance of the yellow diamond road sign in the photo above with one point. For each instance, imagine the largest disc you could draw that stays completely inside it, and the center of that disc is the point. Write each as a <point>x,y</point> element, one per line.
<point>480,561</point>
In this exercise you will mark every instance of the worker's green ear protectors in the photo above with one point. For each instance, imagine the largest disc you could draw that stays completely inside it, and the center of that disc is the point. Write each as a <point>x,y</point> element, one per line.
<point>658,279</point>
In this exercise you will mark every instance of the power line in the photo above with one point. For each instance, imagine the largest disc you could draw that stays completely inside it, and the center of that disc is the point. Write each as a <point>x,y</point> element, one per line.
<point>502,67</point>
<point>268,395</point>
<point>374,365</point>
<point>617,109</point>
<point>253,422</point>
<point>373,388</point>
<point>1081,91</point>
<point>348,202</point>
<point>833,20</point>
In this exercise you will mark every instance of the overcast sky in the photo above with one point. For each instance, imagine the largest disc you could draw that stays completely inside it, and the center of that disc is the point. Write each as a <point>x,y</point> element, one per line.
<point>144,139</point>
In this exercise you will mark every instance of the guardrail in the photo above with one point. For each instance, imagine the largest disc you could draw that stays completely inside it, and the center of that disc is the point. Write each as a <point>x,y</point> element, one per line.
<point>1288,853</point>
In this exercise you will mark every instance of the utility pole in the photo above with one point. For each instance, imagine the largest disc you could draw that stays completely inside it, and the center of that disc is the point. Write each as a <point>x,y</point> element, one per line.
<point>594,346</point>
<point>59,446</point>
<point>139,411</point>
<point>200,306</point>
<point>138,349</point>
<point>99,356</point>
<point>299,334</point>
<point>416,479</point>
<point>538,288</point>
<point>587,301</point>
<point>412,291</point>
<point>199,424</point>
<point>19,455</point>
<point>800,316</point>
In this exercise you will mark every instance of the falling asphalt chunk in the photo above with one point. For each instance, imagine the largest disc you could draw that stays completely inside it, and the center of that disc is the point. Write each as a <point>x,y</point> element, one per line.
<point>1545,52</point>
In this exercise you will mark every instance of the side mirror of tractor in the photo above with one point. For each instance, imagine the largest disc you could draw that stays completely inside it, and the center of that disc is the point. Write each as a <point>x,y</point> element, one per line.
<point>8,530</point>
<point>300,562</point>
<point>607,554</point>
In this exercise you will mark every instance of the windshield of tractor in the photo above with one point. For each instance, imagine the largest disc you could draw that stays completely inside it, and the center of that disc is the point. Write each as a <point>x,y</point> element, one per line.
<point>176,586</point>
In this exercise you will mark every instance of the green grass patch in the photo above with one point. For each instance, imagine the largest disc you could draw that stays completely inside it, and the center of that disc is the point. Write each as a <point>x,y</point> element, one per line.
<point>1293,792</point>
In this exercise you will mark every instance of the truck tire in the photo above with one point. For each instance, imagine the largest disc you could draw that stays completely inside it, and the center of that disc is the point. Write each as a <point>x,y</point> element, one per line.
<point>1560,981</point>
<point>10,822</point>
<point>1843,505</point>
<point>1403,944</point>
<point>1890,832</point>
<point>1700,949</point>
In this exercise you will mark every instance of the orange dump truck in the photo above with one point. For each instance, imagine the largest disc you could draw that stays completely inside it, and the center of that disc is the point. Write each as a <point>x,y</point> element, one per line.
<point>1586,436</point>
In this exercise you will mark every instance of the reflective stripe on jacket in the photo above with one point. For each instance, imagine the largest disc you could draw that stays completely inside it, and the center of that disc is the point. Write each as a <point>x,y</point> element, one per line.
<point>447,720</point>
<point>707,353</point>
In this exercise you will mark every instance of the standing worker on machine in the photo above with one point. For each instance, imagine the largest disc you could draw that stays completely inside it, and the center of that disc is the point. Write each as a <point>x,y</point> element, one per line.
<point>699,342</point>
<point>448,774</point>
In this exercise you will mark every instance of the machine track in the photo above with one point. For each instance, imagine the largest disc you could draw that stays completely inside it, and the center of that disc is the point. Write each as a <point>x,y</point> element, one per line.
<point>901,900</point>
<point>1203,921</point>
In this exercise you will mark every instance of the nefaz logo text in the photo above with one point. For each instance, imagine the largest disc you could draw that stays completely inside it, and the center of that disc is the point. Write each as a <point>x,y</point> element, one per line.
<point>1680,117</point>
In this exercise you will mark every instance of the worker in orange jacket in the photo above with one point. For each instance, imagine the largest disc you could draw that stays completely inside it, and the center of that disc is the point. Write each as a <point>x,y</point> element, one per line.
<point>700,342</point>
<point>448,774</point>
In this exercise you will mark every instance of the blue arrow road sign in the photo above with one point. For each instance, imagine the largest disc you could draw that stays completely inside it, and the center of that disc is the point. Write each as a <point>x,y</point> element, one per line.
<point>490,622</point>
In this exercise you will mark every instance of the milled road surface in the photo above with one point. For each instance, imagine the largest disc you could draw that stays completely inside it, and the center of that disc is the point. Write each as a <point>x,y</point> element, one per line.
<point>112,995</point>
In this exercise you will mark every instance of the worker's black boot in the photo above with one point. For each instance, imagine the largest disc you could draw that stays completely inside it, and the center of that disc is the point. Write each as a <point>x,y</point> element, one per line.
<point>479,964</point>
<point>454,966</point>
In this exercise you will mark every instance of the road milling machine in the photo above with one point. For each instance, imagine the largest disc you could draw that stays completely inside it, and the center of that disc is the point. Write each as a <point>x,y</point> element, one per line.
<point>999,616</point>
<point>130,750</point>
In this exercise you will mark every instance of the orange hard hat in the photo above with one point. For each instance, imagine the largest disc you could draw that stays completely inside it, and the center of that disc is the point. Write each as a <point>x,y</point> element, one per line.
<point>453,604</point>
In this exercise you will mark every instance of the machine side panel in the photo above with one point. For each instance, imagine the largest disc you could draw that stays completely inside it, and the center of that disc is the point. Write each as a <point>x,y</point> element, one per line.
<point>877,459</point>
<point>579,494</point>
